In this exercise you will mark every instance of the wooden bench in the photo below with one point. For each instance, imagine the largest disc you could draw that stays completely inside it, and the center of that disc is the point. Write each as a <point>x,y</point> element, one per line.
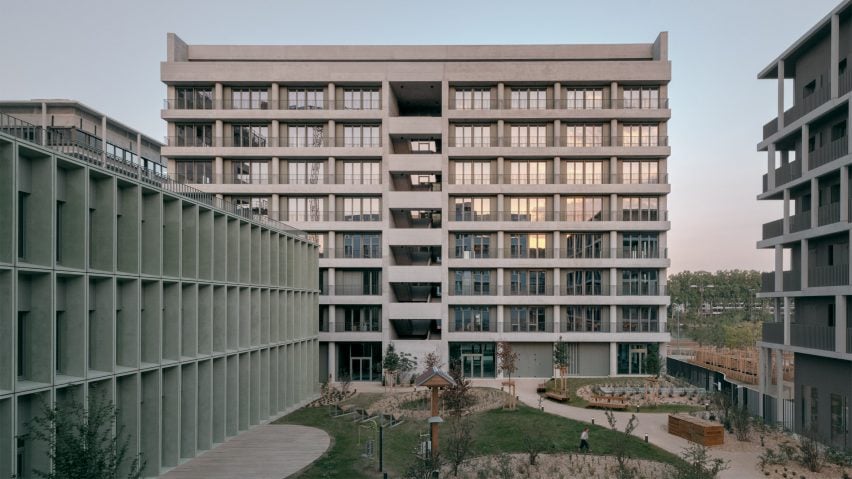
<point>697,430</point>
<point>556,396</point>
<point>608,402</point>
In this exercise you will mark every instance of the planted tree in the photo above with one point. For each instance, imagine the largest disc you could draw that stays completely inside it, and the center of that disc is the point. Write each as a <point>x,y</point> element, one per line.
<point>396,365</point>
<point>509,364</point>
<point>432,360</point>
<point>458,398</point>
<point>458,447</point>
<point>624,470</point>
<point>698,464</point>
<point>85,443</point>
<point>561,360</point>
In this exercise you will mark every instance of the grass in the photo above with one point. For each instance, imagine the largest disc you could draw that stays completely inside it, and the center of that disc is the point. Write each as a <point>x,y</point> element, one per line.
<point>495,431</point>
<point>576,383</point>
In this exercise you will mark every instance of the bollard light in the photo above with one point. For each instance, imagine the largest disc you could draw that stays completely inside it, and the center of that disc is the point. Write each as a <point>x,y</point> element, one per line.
<point>646,437</point>
<point>593,421</point>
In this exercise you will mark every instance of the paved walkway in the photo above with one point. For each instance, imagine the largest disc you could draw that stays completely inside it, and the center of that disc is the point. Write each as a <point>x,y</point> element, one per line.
<point>265,452</point>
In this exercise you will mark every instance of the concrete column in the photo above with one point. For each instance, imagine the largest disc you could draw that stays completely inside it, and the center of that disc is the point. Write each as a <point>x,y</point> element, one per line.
<point>501,205</point>
<point>332,352</point>
<point>613,95</point>
<point>814,202</point>
<point>804,263</point>
<point>557,133</point>
<point>332,96</point>
<point>786,221</point>
<point>275,133</point>
<point>274,97</point>
<point>613,355</point>
<point>276,206</point>
<point>332,134</point>
<point>501,94</point>
<point>613,281</point>
<point>613,207</point>
<point>275,171</point>
<point>557,245</point>
<point>502,139</point>
<point>218,170</point>
<point>806,133</point>
<point>770,166</point>
<point>331,170</point>
<point>613,132</point>
<point>557,95</point>
<point>219,132</point>
<point>103,137</point>
<point>613,244</point>
<point>840,323</point>
<point>834,77</point>
<point>613,170</point>
<point>501,244</point>
<point>787,320</point>
<point>779,393</point>
<point>557,171</point>
<point>44,123</point>
<point>501,171</point>
<point>779,267</point>
<point>218,96</point>
<point>781,95</point>
<point>761,378</point>
<point>500,318</point>
<point>557,316</point>
<point>331,210</point>
<point>844,193</point>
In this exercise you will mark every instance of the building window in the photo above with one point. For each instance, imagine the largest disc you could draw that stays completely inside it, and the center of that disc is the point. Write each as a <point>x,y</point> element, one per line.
<point>194,135</point>
<point>528,245</point>
<point>305,99</point>
<point>302,136</point>
<point>194,172</point>
<point>640,208</point>
<point>22,344</point>
<point>471,318</point>
<point>361,173</point>
<point>583,172</point>
<point>642,98</point>
<point>528,172</point>
<point>839,419</point>
<point>361,209</point>
<point>473,209</point>
<point>361,99</point>
<point>472,135</point>
<point>251,172</point>
<point>585,208</point>
<point>472,245</point>
<point>305,172</point>
<point>362,245</point>
<point>640,172</point>
<point>361,135</point>
<point>640,135</point>
<point>528,136</point>
<point>527,282</point>
<point>639,282</point>
<point>60,212</point>
<point>810,409</point>
<point>637,319</point>
<point>306,209</point>
<point>528,209</point>
<point>23,199</point>
<point>584,319</point>
<point>473,99</point>
<point>472,172</point>
<point>529,98</point>
<point>640,245</point>
<point>61,339</point>
<point>583,282</point>
<point>193,98</point>
<point>528,319</point>
<point>838,131</point>
<point>584,99</point>
<point>251,206</point>
<point>250,99</point>
<point>423,146</point>
<point>362,318</point>
<point>475,282</point>
<point>584,245</point>
<point>577,136</point>
<point>250,136</point>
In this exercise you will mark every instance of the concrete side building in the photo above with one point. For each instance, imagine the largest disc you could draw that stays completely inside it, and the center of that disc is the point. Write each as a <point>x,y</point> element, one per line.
<point>808,172</point>
<point>462,195</point>
<point>196,321</point>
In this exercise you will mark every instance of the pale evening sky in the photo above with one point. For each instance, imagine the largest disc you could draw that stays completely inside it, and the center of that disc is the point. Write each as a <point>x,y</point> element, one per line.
<point>107,54</point>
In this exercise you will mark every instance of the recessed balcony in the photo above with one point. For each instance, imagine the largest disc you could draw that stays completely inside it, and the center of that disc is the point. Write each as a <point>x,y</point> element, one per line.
<point>812,337</point>
<point>834,275</point>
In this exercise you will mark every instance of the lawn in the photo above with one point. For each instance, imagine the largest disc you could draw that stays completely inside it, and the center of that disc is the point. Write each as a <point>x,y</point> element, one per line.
<point>495,431</point>
<point>576,383</point>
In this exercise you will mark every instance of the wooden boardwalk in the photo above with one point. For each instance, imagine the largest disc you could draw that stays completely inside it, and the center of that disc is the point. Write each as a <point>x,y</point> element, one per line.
<point>264,452</point>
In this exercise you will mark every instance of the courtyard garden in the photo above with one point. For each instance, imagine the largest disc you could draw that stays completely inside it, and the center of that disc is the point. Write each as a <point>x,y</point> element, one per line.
<point>665,395</point>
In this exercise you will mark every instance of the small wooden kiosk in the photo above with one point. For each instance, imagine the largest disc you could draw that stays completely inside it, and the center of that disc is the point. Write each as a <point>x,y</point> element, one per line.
<point>435,379</point>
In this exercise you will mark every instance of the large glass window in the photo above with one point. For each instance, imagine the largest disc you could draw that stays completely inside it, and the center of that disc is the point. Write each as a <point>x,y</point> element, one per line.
<point>361,99</point>
<point>193,98</point>
<point>640,172</point>
<point>528,209</point>
<point>306,209</point>
<point>301,136</point>
<point>640,135</point>
<point>473,209</point>
<point>361,319</point>
<point>632,358</point>
<point>250,98</point>
<point>528,245</point>
<point>584,319</point>
<point>585,208</point>
<point>640,208</point>
<point>476,282</point>
<point>250,172</point>
<point>473,99</point>
<point>531,282</point>
<point>362,245</point>
<point>305,172</point>
<point>472,172</point>
<point>583,172</point>
<point>305,99</point>
<point>583,282</point>
<point>472,245</point>
<point>251,206</point>
<point>584,245</point>
<point>359,361</point>
<point>194,135</point>
<point>640,245</point>
<point>475,360</point>
<point>252,136</point>
<point>472,135</point>
<point>471,318</point>
<point>361,209</point>
<point>528,172</point>
<point>528,319</point>
<point>528,136</point>
<point>639,319</point>
<point>361,135</point>
<point>194,172</point>
<point>639,282</point>
<point>529,98</point>
<point>361,173</point>
<point>584,99</point>
<point>642,98</point>
<point>584,135</point>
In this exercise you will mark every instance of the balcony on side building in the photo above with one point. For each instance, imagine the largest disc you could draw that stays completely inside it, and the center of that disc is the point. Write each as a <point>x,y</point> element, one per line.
<point>834,275</point>
<point>790,281</point>
<point>812,336</point>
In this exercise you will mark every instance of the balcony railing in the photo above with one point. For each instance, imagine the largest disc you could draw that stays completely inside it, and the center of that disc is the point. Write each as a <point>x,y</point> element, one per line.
<point>767,282</point>
<point>828,214</point>
<point>283,179</point>
<point>835,275</point>
<point>813,337</point>
<point>372,252</point>
<point>550,253</point>
<point>351,290</point>
<point>545,326</point>
<point>257,104</point>
<point>356,216</point>
<point>529,253</point>
<point>773,333</point>
<point>630,253</point>
<point>264,142</point>
<point>585,290</point>
<point>359,327</point>
<point>527,290</point>
<point>561,142</point>
<point>770,128</point>
<point>563,179</point>
<point>563,104</point>
<point>787,173</point>
<point>572,216</point>
<point>470,290</point>
<point>791,281</point>
<point>584,326</point>
<point>641,289</point>
<point>773,229</point>
<point>800,222</point>
<point>473,326</point>
<point>830,152</point>
<point>638,326</point>
<point>808,103</point>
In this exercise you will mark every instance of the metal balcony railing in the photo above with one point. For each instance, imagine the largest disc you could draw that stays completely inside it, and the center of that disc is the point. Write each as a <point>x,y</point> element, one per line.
<point>773,229</point>
<point>265,142</point>
<point>641,289</point>
<point>204,103</point>
<point>351,290</point>
<point>473,326</point>
<point>791,281</point>
<point>638,326</point>
<point>835,275</point>
<point>800,222</point>
<point>773,333</point>
<point>828,214</point>
<point>789,172</point>
<point>533,216</point>
<point>486,289</point>
<point>526,326</point>
<point>358,104</point>
<point>849,339</point>
<point>813,337</point>
<point>306,216</point>
<point>563,179</point>
<point>527,290</point>
<point>246,103</point>
<point>845,84</point>
<point>807,104</point>
<point>547,141</point>
<point>593,289</point>
<point>528,253</point>
<point>368,252</point>
<point>356,216</point>
<point>358,327</point>
<point>583,326</point>
<point>640,253</point>
<point>191,103</point>
<point>193,142</point>
<point>562,104</point>
<point>550,253</point>
<point>767,282</point>
<point>830,152</point>
<point>770,128</point>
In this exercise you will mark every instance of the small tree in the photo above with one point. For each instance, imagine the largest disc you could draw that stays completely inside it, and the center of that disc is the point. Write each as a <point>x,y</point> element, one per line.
<point>561,358</point>
<point>533,444</point>
<point>740,422</point>
<point>811,453</point>
<point>652,360</point>
<point>509,364</point>
<point>390,363</point>
<point>85,443</point>
<point>459,445</point>
<point>699,464</point>
<point>620,447</point>
<point>432,360</point>
<point>407,363</point>
<point>458,398</point>
<point>424,467</point>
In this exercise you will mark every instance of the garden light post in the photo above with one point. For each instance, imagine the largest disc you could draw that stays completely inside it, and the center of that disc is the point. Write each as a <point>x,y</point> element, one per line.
<point>434,379</point>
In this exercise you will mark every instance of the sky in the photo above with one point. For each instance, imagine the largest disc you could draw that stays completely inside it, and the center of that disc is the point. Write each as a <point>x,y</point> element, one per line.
<point>107,54</point>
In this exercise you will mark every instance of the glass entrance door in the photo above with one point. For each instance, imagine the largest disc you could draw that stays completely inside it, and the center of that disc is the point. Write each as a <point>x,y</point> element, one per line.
<point>361,368</point>
<point>472,365</point>
<point>637,359</point>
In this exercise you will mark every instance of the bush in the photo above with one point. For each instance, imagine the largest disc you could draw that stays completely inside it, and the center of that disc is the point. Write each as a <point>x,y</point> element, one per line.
<point>811,453</point>
<point>740,423</point>
<point>699,464</point>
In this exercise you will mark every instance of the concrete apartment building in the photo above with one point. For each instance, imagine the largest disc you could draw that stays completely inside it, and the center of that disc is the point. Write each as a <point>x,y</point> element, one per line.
<point>461,195</point>
<point>808,168</point>
<point>196,320</point>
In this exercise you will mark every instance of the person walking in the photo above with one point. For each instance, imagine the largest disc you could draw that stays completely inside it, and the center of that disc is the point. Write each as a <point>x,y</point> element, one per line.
<point>584,440</point>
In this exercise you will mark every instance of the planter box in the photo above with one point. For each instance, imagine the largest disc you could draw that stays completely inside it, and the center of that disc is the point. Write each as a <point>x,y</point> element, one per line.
<point>703,432</point>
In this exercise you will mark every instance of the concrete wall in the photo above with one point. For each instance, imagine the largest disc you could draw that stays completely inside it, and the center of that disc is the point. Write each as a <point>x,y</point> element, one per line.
<point>828,377</point>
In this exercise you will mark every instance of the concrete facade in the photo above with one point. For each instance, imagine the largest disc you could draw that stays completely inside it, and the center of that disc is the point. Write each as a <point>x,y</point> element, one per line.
<point>462,195</point>
<point>808,161</point>
<point>197,323</point>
